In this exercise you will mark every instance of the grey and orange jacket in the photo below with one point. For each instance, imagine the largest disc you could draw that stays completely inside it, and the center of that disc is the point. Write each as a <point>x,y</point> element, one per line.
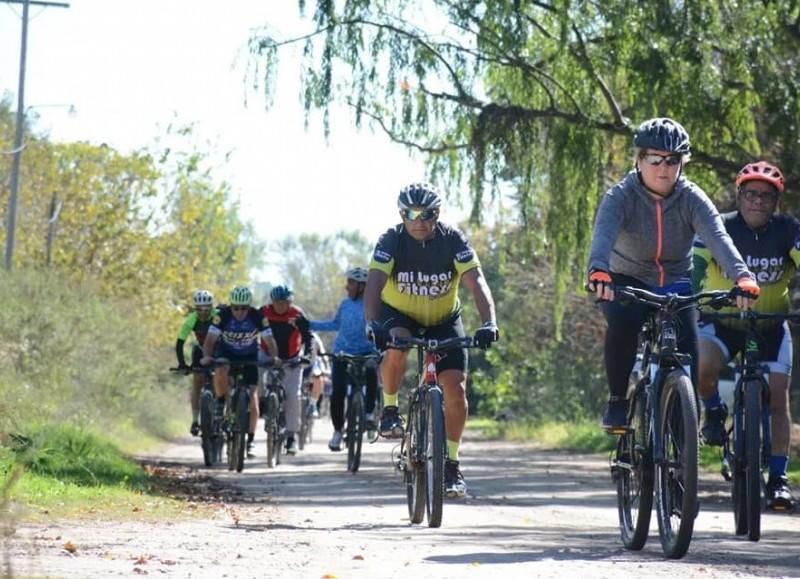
<point>651,239</point>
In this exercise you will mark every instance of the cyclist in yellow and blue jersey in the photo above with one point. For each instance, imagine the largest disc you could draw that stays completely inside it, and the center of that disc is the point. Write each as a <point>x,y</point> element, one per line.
<point>197,323</point>
<point>412,289</point>
<point>770,245</point>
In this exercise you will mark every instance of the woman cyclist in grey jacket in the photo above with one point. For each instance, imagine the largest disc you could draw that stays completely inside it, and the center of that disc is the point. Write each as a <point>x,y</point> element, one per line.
<point>642,237</point>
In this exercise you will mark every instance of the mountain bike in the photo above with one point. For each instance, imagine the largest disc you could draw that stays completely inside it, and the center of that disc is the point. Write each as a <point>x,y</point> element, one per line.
<point>237,420</point>
<point>658,450</point>
<point>747,446</point>
<point>355,404</point>
<point>423,449</point>
<point>272,407</point>
<point>211,436</point>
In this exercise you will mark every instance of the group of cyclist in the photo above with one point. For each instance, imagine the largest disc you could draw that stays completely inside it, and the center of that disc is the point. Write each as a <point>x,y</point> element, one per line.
<point>655,229</point>
<point>659,231</point>
<point>238,332</point>
<point>410,288</point>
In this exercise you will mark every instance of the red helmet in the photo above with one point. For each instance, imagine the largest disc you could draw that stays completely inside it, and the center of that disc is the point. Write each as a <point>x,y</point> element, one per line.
<point>761,171</point>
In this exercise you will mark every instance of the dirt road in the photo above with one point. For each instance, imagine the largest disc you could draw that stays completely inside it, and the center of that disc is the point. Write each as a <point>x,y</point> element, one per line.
<point>530,513</point>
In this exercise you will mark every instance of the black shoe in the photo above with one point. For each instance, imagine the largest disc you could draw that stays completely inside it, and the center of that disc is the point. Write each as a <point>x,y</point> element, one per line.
<point>391,423</point>
<point>291,445</point>
<point>195,429</point>
<point>454,485</point>
<point>616,415</point>
<point>713,431</point>
<point>778,495</point>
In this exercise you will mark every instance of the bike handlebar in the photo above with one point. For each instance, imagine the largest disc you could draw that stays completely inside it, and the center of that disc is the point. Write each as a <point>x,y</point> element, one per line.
<point>430,345</point>
<point>713,298</point>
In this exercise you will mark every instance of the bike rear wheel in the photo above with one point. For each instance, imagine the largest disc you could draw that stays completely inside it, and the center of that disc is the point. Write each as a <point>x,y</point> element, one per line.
<point>635,477</point>
<point>207,426</point>
<point>415,471</point>
<point>355,430</point>
<point>436,446</point>
<point>752,437</point>
<point>272,429</point>
<point>676,472</point>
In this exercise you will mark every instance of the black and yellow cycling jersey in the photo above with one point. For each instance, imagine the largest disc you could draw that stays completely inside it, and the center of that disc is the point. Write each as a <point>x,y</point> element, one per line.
<point>423,276</point>
<point>771,253</point>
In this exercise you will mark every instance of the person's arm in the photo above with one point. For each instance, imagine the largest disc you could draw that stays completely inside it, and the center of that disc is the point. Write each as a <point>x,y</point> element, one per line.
<point>475,282</point>
<point>179,353</point>
<point>210,342</point>
<point>607,224</point>
<point>376,280</point>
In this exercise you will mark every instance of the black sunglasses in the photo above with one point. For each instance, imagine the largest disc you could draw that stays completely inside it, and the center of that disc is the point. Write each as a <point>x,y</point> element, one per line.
<point>655,159</point>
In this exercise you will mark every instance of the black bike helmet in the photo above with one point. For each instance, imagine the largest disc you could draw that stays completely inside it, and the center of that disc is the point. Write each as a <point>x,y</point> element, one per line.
<point>662,134</point>
<point>422,195</point>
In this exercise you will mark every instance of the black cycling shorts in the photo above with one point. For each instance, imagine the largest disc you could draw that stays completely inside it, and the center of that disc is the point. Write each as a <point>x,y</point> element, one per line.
<point>452,359</point>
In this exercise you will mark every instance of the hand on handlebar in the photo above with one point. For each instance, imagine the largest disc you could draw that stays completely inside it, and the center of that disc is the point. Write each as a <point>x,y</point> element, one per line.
<point>600,285</point>
<point>486,335</point>
<point>746,292</point>
<point>206,360</point>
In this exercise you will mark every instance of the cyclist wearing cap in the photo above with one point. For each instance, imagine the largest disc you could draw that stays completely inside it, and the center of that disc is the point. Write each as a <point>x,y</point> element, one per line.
<point>234,334</point>
<point>287,341</point>
<point>412,289</point>
<point>197,323</point>
<point>642,237</point>
<point>770,245</point>
<point>350,339</point>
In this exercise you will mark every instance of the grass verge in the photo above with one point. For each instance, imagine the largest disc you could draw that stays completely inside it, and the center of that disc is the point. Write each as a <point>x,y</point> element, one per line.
<point>65,472</point>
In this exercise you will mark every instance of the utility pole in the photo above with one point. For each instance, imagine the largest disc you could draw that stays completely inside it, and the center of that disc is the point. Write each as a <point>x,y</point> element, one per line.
<point>20,125</point>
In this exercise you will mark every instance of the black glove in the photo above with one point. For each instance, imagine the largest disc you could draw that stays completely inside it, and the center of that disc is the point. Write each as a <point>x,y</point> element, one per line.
<point>378,335</point>
<point>302,324</point>
<point>485,335</point>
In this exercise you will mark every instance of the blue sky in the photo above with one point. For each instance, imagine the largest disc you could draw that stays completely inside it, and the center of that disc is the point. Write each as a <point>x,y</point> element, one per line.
<point>129,67</point>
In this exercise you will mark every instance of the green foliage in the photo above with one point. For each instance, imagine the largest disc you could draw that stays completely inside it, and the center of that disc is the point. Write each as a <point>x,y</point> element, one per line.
<point>534,372</point>
<point>73,455</point>
<point>70,354</point>
<point>540,99</point>
<point>150,226</point>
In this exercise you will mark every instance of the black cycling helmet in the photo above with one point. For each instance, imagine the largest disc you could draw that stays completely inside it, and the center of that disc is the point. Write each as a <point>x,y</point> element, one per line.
<point>422,195</point>
<point>281,292</point>
<point>662,134</point>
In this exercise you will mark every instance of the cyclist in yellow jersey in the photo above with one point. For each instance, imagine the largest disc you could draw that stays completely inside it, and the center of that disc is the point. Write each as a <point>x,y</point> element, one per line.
<point>770,245</point>
<point>412,289</point>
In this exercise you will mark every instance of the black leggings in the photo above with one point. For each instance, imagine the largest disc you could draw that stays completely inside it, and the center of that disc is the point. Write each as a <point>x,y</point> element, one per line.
<point>339,382</point>
<point>624,323</point>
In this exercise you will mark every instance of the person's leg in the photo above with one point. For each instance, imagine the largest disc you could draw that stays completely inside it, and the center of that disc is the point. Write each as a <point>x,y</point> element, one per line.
<point>292,384</point>
<point>372,389</point>
<point>338,393</point>
<point>619,351</point>
<point>779,496</point>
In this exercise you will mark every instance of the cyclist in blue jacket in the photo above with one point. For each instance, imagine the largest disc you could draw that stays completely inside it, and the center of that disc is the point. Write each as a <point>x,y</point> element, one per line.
<point>350,339</point>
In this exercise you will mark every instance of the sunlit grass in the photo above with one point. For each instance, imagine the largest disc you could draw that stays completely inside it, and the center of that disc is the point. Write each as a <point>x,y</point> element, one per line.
<point>63,472</point>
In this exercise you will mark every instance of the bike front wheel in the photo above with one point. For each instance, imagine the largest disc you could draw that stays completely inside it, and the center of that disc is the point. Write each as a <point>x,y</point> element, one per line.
<point>436,446</point>
<point>355,431</point>
<point>752,458</point>
<point>676,471</point>
<point>635,477</point>
<point>272,429</point>
<point>414,469</point>
<point>207,427</point>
